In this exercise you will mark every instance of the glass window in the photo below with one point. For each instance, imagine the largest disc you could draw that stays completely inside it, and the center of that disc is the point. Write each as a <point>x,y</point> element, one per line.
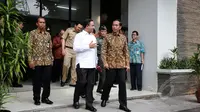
<point>28,7</point>
<point>80,10</point>
<point>58,9</point>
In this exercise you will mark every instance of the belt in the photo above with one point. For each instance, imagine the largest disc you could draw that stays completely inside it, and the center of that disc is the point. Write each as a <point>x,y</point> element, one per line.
<point>69,47</point>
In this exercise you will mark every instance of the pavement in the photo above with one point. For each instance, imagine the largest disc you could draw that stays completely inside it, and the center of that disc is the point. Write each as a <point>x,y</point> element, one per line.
<point>166,104</point>
<point>21,98</point>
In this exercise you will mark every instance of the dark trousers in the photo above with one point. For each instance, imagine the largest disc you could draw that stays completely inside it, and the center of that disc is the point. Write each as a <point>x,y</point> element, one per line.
<point>119,75</point>
<point>41,77</point>
<point>136,75</point>
<point>57,69</point>
<point>102,74</point>
<point>85,81</point>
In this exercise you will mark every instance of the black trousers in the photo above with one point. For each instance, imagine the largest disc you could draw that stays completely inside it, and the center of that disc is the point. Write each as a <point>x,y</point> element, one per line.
<point>102,74</point>
<point>136,75</point>
<point>119,75</point>
<point>41,77</point>
<point>57,69</point>
<point>85,81</point>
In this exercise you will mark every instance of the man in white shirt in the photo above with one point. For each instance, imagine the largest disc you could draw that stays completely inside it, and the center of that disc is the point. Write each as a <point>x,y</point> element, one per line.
<point>86,61</point>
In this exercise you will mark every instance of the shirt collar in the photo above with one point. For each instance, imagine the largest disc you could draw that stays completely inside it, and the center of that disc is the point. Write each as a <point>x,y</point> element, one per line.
<point>116,33</point>
<point>135,41</point>
<point>86,33</point>
<point>42,32</point>
<point>73,29</point>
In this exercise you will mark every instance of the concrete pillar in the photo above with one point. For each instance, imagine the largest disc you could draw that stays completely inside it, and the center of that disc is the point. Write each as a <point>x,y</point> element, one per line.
<point>156,22</point>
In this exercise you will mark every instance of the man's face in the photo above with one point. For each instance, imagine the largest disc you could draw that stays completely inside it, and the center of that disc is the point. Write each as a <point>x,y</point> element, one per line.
<point>78,27</point>
<point>90,27</point>
<point>116,26</point>
<point>21,25</point>
<point>134,35</point>
<point>62,32</point>
<point>41,24</point>
<point>103,33</point>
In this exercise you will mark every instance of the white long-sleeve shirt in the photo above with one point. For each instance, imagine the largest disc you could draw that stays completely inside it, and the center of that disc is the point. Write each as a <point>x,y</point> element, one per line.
<point>86,57</point>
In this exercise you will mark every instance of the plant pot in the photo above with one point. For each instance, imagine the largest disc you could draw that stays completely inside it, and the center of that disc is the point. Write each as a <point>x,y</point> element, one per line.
<point>5,111</point>
<point>197,94</point>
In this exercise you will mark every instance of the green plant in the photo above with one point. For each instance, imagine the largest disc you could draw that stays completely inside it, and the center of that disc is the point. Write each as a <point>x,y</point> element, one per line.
<point>13,45</point>
<point>195,65</point>
<point>174,63</point>
<point>3,96</point>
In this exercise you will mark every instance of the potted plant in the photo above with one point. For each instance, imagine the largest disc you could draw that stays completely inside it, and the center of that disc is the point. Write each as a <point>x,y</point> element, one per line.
<point>195,60</point>
<point>13,45</point>
<point>173,74</point>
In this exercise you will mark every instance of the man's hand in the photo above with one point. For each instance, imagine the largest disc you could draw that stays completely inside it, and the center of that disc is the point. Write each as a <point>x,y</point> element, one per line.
<point>92,45</point>
<point>142,61</point>
<point>127,68</point>
<point>63,52</point>
<point>32,65</point>
<point>106,66</point>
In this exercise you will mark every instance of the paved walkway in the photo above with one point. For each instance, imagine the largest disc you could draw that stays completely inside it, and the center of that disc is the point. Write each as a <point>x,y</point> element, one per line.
<point>62,97</point>
<point>167,104</point>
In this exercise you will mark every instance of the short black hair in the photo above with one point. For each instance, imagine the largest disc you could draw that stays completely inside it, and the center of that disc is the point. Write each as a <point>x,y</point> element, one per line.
<point>135,32</point>
<point>86,22</point>
<point>120,23</point>
<point>102,27</point>
<point>77,23</point>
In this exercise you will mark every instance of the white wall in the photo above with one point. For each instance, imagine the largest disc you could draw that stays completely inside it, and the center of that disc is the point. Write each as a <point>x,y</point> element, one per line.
<point>96,13</point>
<point>167,28</point>
<point>143,18</point>
<point>155,20</point>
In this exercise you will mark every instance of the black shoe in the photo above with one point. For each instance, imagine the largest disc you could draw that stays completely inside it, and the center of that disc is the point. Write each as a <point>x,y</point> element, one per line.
<point>83,96</point>
<point>37,102</point>
<point>99,91</point>
<point>124,108</point>
<point>92,109</point>
<point>132,89</point>
<point>139,89</point>
<point>72,85</point>
<point>76,105</point>
<point>62,84</point>
<point>103,103</point>
<point>47,101</point>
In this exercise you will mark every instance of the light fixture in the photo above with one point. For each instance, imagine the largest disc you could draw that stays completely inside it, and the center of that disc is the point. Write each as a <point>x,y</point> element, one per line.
<point>63,7</point>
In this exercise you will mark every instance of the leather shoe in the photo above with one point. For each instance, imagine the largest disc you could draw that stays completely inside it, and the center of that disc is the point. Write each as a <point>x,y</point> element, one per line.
<point>103,103</point>
<point>37,102</point>
<point>62,84</point>
<point>72,85</point>
<point>76,105</point>
<point>47,101</point>
<point>132,89</point>
<point>92,109</point>
<point>99,91</point>
<point>124,108</point>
